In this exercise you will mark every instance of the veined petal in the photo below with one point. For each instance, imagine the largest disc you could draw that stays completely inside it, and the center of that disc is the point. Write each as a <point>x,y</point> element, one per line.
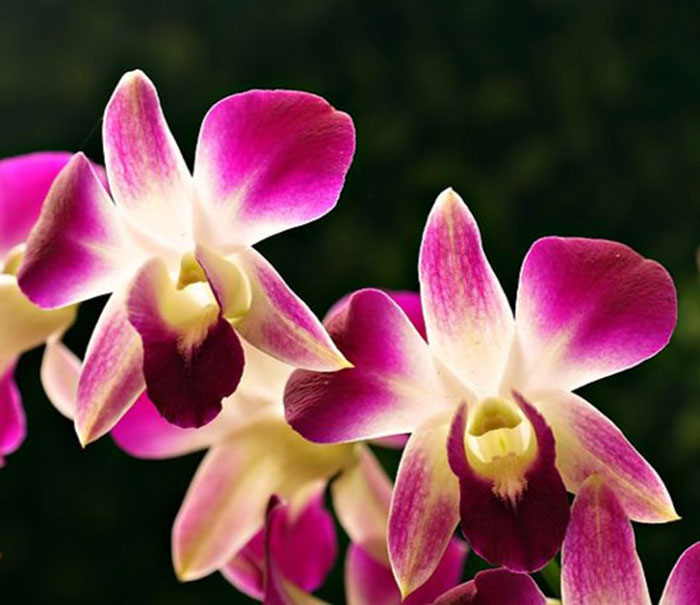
<point>267,161</point>
<point>467,316</point>
<point>226,501</point>
<point>495,587</point>
<point>424,506</point>
<point>522,530</point>
<point>60,371</point>
<point>587,442</point>
<point>13,424</point>
<point>112,375</point>
<point>147,175</point>
<point>391,389</point>
<point>599,559</point>
<point>589,308</point>
<point>683,585</point>
<point>279,322</point>
<point>78,248</point>
<point>23,325</point>
<point>24,183</point>
<point>192,356</point>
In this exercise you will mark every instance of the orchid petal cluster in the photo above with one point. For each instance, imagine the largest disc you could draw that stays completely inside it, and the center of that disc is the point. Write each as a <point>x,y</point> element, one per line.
<point>202,346</point>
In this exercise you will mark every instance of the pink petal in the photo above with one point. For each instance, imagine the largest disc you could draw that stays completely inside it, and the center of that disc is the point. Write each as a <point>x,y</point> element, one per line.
<point>60,371</point>
<point>147,175</point>
<point>587,442</point>
<point>112,376</point>
<point>524,535</point>
<point>78,248</point>
<point>468,319</point>
<point>495,587</point>
<point>599,559</point>
<point>280,324</point>
<point>13,424</point>
<point>24,183</point>
<point>424,507</point>
<point>191,360</point>
<point>267,161</point>
<point>391,389</point>
<point>246,571</point>
<point>683,585</point>
<point>587,309</point>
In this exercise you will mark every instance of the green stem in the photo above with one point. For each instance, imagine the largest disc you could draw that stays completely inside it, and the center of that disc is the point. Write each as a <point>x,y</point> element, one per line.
<point>551,574</point>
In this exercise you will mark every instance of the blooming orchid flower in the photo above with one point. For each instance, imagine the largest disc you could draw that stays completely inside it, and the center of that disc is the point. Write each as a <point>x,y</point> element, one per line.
<point>498,388</point>
<point>174,248</point>
<point>600,562</point>
<point>24,183</point>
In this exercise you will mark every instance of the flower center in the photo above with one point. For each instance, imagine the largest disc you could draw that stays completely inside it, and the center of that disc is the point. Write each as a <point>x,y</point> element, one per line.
<point>13,260</point>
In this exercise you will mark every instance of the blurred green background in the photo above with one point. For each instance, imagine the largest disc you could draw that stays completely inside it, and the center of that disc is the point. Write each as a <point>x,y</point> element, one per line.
<point>548,117</point>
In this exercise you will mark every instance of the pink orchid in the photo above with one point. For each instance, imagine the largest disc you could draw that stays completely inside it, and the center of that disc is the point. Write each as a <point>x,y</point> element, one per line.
<point>24,183</point>
<point>498,387</point>
<point>174,248</point>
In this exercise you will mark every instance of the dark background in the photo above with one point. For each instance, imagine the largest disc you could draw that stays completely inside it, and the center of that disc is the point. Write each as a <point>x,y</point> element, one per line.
<point>548,117</point>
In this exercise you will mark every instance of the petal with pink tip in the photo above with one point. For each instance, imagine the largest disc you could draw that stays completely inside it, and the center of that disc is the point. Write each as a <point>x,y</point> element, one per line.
<point>392,387</point>
<point>147,175</point>
<point>587,442</point>
<point>112,375</point>
<point>13,424</point>
<point>495,587</point>
<point>467,316</point>
<point>267,161</point>
<point>683,585</point>
<point>589,308</point>
<point>599,559</point>
<point>24,183</point>
<point>424,506</point>
<point>78,248</point>
<point>225,503</point>
<point>192,357</point>
<point>521,533</point>
<point>60,371</point>
<point>279,322</point>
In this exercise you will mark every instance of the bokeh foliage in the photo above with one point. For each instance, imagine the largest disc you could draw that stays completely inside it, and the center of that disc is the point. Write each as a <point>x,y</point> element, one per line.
<point>570,118</point>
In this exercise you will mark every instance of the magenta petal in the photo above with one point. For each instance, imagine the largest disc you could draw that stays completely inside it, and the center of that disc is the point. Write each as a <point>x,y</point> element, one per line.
<point>589,308</point>
<point>13,424</point>
<point>269,160</point>
<point>524,536</point>
<point>78,248</point>
<point>189,365</point>
<point>24,183</point>
<point>384,394</point>
<point>495,587</point>
<point>683,585</point>
<point>599,559</point>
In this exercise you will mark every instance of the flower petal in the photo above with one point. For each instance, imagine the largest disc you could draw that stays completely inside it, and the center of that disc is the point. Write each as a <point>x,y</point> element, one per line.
<point>147,175</point>
<point>78,248</point>
<point>279,322</point>
<point>683,585</point>
<point>226,501</point>
<point>524,534</point>
<point>599,559</point>
<point>391,389</point>
<point>13,424</point>
<point>467,316</point>
<point>587,442</point>
<point>112,375</point>
<point>495,587</point>
<point>589,308</point>
<point>24,183</point>
<point>424,506</point>
<point>267,161</point>
<point>60,371</point>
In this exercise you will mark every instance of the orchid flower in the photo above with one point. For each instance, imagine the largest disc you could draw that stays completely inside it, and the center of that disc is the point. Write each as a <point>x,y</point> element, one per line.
<point>174,248</point>
<point>599,560</point>
<point>24,183</point>
<point>498,387</point>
